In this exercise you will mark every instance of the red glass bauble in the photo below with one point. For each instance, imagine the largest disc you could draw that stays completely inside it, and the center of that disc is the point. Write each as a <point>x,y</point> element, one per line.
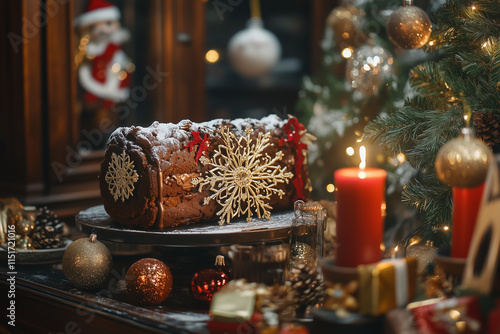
<point>207,282</point>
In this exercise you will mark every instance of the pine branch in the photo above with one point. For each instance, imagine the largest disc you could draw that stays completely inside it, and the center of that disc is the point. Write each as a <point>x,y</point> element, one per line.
<point>438,128</point>
<point>428,195</point>
<point>467,38</point>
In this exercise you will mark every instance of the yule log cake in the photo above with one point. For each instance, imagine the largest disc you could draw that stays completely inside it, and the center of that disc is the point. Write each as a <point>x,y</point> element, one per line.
<point>170,174</point>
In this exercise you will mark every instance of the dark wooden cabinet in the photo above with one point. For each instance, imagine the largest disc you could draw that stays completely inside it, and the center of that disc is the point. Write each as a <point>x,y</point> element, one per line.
<point>42,162</point>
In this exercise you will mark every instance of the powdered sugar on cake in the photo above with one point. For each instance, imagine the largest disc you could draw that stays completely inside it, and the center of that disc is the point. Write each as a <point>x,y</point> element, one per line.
<point>173,137</point>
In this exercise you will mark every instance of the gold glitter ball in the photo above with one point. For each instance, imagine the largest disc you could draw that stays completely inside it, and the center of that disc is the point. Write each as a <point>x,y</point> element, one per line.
<point>300,250</point>
<point>149,281</point>
<point>87,263</point>
<point>347,21</point>
<point>463,161</point>
<point>409,27</point>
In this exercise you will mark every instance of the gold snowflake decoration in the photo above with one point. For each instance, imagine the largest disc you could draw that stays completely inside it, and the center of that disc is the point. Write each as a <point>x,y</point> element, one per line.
<point>242,176</point>
<point>121,176</point>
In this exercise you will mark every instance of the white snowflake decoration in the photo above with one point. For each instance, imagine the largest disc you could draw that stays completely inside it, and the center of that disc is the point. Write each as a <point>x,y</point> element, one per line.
<point>242,176</point>
<point>121,176</point>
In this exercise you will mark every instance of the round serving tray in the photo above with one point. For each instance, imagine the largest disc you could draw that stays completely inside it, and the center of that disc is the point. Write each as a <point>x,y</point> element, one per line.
<point>95,219</point>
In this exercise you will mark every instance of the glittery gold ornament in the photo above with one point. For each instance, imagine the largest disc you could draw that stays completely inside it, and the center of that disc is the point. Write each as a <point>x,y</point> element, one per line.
<point>341,298</point>
<point>149,281</point>
<point>463,161</point>
<point>424,252</point>
<point>301,251</point>
<point>409,27</point>
<point>368,68</point>
<point>346,22</point>
<point>87,263</point>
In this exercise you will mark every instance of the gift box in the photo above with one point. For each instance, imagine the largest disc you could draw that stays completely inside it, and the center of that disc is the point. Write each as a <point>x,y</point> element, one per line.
<point>443,316</point>
<point>386,285</point>
<point>235,302</point>
<point>241,307</point>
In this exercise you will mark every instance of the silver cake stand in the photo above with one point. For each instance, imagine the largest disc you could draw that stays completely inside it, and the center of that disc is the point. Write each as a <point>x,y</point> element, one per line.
<point>95,219</point>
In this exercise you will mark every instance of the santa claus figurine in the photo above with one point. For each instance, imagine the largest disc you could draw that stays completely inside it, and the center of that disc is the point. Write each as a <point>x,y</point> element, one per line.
<point>105,72</point>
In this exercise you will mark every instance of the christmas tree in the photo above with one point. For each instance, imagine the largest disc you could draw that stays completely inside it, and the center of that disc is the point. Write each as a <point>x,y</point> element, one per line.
<point>361,78</point>
<point>467,41</point>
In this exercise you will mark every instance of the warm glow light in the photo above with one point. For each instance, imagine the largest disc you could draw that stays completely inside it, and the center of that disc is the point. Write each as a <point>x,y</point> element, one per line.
<point>122,75</point>
<point>396,248</point>
<point>401,157</point>
<point>130,67</point>
<point>116,68</point>
<point>347,53</point>
<point>431,43</point>
<point>330,188</point>
<point>349,151</point>
<point>212,56</point>
<point>473,7</point>
<point>362,154</point>
<point>446,228</point>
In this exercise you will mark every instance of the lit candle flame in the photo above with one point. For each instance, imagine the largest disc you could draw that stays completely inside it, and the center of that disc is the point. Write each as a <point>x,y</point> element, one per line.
<point>362,154</point>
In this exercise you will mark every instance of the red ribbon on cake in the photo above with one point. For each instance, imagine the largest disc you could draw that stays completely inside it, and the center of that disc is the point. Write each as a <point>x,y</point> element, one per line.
<point>295,130</point>
<point>197,140</point>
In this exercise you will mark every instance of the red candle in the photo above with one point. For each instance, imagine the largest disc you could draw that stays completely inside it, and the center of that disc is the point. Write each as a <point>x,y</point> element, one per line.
<point>466,203</point>
<point>360,215</point>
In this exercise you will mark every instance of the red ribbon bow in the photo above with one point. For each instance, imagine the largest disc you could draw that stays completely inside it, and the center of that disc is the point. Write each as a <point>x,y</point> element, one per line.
<point>197,140</point>
<point>294,128</point>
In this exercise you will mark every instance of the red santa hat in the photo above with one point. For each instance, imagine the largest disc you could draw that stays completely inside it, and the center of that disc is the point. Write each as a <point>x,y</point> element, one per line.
<point>96,11</point>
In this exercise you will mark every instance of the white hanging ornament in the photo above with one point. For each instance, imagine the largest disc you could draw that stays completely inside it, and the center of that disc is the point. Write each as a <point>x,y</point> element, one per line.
<point>254,51</point>
<point>367,69</point>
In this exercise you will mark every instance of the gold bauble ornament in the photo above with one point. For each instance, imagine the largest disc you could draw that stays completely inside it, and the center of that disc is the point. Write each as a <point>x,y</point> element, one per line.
<point>149,281</point>
<point>463,161</point>
<point>346,22</point>
<point>409,27</point>
<point>87,263</point>
<point>368,68</point>
<point>301,251</point>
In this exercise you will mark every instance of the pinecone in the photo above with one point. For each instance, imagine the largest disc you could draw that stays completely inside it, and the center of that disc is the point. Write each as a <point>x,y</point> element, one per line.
<point>487,127</point>
<point>48,230</point>
<point>307,283</point>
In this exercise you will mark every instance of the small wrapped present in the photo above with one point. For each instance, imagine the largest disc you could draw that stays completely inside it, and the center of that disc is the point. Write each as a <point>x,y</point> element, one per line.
<point>443,316</point>
<point>386,285</point>
<point>235,302</point>
<point>241,307</point>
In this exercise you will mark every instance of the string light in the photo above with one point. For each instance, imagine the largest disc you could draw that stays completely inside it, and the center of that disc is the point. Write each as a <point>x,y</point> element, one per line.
<point>330,188</point>
<point>212,56</point>
<point>347,53</point>
<point>362,154</point>
<point>349,151</point>
<point>116,68</point>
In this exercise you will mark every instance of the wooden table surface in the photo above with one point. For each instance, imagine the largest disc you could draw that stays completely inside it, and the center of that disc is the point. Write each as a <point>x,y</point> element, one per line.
<point>47,303</point>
